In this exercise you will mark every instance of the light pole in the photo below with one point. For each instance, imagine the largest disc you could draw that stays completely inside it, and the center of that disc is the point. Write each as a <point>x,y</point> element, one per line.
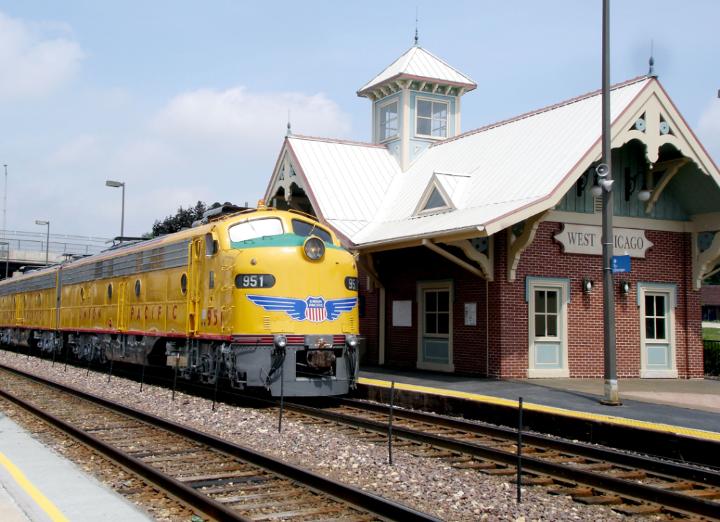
<point>116,184</point>
<point>604,171</point>
<point>5,206</point>
<point>47,238</point>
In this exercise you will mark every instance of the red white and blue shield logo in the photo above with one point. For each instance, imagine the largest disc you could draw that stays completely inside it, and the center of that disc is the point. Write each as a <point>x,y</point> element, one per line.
<point>315,311</point>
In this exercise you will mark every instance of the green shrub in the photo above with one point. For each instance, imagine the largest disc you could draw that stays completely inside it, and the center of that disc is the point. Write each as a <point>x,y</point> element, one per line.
<point>712,357</point>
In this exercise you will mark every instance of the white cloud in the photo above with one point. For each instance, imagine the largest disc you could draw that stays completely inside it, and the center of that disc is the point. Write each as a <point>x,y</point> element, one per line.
<point>77,151</point>
<point>709,129</point>
<point>237,114</point>
<point>209,145</point>
<point>33,63</point>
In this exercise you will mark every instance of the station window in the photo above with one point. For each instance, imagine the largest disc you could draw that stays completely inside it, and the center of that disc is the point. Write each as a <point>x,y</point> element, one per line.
<point>655,317</point>
<point>431,119</point>
<point>389,127</point>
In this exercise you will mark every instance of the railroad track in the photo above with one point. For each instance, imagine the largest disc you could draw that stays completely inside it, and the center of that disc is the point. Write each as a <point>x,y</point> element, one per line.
<point>221,480</point>
<point>628,483</point>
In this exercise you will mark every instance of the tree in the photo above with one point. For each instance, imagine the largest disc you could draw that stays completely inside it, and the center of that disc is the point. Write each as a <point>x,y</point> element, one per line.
<point>183,218</point>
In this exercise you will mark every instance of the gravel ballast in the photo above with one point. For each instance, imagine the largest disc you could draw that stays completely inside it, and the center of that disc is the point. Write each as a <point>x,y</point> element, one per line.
<point>425,484</point>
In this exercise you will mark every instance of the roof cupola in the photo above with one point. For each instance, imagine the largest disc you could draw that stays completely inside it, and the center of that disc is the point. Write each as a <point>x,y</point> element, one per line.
<point>416,101</point>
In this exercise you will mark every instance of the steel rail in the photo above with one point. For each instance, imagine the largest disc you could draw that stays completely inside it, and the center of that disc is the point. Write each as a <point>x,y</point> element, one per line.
<point>185,493</point>
<point>671,468</point>
<point>363,500</point>
<point>621,487</point>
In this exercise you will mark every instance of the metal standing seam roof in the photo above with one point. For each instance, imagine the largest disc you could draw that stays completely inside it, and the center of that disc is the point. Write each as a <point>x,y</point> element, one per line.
<point>487,173</point>
<point>418,63</point>
<point>349,180</point>
<point>509,166</point>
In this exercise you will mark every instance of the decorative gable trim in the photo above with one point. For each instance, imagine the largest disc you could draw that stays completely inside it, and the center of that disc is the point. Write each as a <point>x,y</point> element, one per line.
<point>655,121</point>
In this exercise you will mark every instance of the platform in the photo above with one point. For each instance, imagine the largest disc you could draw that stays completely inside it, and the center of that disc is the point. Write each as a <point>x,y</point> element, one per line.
<point>685,407</point>
<point>36,484</point>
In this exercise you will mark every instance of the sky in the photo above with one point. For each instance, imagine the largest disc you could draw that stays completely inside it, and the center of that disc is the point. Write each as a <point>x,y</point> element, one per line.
<point>186,101</point>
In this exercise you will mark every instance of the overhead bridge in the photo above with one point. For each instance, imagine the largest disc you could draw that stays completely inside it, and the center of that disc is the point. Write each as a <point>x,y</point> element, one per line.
<point>28,249</point>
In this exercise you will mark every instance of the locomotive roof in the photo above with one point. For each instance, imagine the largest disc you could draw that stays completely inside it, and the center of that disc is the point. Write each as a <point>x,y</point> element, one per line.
<point>156,241</point>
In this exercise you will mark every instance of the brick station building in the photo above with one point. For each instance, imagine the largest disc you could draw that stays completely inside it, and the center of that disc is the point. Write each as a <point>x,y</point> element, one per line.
<point>480,251</point>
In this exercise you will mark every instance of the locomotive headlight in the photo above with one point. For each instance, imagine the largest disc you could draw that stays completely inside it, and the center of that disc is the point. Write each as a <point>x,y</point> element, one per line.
<point>314,248</point>
<point>280,341</point>
<point>351,340</point>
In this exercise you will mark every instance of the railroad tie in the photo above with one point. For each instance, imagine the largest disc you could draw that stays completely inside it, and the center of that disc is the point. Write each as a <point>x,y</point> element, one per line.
<point>710,493</point>
<point>534,480</point>
<point>598,500</point>
<point>294,514</point>
<point>571,491</point>
<point>638,509</point>
<point>474,464</point>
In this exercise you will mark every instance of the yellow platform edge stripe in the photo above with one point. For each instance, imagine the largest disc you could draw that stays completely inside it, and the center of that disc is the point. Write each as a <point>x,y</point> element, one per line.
<point>41,500</point>
<point>489,399</point>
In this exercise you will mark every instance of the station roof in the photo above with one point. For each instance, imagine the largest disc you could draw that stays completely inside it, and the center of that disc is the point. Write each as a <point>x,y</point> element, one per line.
<point>479,182</point>
<point>419,64</point>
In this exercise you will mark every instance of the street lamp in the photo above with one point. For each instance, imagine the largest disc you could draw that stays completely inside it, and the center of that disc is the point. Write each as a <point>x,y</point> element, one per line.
<point>47,238</point>
<point>116,184</point>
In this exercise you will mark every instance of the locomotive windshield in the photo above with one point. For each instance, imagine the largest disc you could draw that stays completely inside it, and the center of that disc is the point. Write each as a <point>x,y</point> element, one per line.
<point>256,228</point>
<point>303,228</point>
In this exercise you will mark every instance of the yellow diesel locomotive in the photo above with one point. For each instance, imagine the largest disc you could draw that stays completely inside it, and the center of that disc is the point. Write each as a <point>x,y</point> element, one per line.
<point>262,297</point>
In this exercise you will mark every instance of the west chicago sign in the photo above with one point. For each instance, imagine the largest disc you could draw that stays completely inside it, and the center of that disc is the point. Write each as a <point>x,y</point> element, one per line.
<point>586,239</point>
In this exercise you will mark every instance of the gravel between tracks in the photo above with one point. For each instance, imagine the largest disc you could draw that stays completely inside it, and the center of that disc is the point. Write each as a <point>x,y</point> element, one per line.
<point>429,485</point>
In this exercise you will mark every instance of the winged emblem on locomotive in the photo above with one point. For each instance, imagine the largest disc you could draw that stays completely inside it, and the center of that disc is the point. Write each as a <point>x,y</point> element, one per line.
<point>313,309</point>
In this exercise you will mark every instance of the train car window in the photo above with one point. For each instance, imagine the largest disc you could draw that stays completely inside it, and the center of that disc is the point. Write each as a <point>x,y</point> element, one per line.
<point>255,228</point>
<point>183,284</point>
<point>303,228</point>
<point>211,279</point>
<point>137,288</point>
<point>211,245</point>
<point>110,292</point>
<point>82,294</point>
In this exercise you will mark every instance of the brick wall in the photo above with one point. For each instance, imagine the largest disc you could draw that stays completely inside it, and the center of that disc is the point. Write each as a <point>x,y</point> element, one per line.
<point>400,270</point>
<point>668,261</point>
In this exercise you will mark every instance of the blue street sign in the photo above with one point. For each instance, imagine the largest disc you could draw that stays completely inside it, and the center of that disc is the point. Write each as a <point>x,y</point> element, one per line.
<point>621,264</point>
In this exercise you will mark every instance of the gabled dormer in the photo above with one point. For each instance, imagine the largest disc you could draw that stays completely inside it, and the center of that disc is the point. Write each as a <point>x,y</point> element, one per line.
<point>416,102</point>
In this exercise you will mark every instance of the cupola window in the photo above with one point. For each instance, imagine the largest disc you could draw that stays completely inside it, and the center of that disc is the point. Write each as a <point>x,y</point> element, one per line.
<point>389,121</point>
<point>431,118</point>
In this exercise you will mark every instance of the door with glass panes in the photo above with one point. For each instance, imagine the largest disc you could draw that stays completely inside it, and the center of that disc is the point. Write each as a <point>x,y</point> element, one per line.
<point>435,326</point>
<point>657,351</point>
<point>547,331</point>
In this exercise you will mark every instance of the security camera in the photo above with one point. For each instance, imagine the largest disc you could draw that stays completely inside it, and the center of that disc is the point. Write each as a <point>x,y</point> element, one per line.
<point>602,170</point>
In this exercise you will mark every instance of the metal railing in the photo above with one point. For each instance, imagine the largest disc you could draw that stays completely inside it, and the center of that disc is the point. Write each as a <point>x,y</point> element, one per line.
<point>58,244</point>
